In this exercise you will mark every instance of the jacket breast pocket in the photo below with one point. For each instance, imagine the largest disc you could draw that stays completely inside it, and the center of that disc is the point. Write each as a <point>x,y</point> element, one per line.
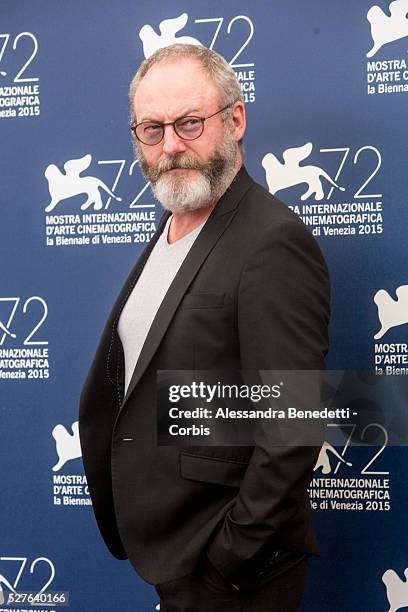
<point>212,470</point>
<point>203,300</point>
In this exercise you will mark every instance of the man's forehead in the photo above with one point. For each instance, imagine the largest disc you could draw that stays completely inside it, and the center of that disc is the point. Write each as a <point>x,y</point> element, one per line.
<point>171,82</point>
<point>173,64</point>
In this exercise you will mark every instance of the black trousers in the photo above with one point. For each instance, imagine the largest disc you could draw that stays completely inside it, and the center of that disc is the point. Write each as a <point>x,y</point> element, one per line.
<point>205,590</point>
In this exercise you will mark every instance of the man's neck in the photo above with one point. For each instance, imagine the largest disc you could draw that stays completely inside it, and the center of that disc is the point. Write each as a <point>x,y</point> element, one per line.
<point>184,223</point>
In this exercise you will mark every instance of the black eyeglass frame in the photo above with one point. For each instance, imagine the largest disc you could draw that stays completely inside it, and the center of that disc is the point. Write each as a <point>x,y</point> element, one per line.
<point>173,123</point>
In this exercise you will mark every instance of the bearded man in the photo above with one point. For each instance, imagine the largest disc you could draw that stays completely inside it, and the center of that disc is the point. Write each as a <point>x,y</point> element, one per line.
<point>231,280</point>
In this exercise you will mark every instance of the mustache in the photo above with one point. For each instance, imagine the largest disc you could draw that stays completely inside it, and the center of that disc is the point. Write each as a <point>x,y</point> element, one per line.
<point>181,161</point>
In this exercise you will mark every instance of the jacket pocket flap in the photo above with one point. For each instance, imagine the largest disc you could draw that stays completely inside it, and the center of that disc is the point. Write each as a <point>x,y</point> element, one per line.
<point>214,470</point>
<point>203,300</point>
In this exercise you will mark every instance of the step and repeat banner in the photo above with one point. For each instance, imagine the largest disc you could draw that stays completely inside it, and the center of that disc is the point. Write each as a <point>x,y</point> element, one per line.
<point>326,93</point>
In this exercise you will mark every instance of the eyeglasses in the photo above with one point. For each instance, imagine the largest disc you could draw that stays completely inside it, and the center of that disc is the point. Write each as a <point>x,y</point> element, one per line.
<point>187,128</point>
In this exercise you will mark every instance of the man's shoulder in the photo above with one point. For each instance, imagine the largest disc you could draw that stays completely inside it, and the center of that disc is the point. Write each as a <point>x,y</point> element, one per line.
<point>258,206</point>
<point>262,218</point>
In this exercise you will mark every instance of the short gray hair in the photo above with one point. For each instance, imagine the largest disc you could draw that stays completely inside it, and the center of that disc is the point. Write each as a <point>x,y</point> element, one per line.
<point>221,73</point>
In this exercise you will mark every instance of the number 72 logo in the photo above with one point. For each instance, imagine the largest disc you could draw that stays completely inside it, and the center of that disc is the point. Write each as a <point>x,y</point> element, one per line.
<point>6,324</point>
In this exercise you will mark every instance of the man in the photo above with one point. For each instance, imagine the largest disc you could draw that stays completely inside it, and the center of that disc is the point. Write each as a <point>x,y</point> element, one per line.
<point>232,279</point>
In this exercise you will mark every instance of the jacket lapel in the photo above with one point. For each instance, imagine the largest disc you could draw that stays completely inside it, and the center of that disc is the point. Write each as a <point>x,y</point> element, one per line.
<point>213,229</point>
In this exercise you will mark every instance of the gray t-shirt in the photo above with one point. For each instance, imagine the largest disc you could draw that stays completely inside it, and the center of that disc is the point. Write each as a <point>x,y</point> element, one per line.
<point>151,287</point>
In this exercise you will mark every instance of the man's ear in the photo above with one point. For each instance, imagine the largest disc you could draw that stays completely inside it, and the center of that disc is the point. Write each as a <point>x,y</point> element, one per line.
<point>238,120</point>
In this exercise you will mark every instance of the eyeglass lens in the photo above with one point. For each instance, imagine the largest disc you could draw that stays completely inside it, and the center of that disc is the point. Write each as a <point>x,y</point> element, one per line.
<point>188,128</point>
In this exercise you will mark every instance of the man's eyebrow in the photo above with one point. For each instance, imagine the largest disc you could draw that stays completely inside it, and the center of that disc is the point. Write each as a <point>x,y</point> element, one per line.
<point>148,120</point>
<point>193,112</point>
<point>190,113</point>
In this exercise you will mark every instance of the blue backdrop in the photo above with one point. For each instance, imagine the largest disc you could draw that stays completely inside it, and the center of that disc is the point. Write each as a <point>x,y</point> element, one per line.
<point>326,91</point>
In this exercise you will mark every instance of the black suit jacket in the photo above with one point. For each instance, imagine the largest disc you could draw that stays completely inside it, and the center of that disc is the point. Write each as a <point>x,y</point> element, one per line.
<point>252,293</point>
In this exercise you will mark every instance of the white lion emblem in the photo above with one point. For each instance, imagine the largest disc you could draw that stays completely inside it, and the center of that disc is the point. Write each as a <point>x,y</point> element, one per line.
<point>323,460</point>
<point>391,312</point>
<point>168,30</point>
<point>6,583</point>
<point>397,589</point>
<point>386,29</point>
<point>6,331</point>
<point>62,186</point>
<point>68,446</point>
<point>280,176</point>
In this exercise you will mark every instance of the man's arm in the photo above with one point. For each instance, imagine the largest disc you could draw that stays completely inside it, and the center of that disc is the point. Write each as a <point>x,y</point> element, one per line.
<point>283,313</point>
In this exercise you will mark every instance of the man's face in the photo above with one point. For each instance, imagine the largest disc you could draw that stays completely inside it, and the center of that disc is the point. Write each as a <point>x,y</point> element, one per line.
<point>186,174</point>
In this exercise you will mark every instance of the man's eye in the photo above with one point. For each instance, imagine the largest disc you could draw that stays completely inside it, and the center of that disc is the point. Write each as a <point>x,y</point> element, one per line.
<point>188,123</point>
<point>151,128</point>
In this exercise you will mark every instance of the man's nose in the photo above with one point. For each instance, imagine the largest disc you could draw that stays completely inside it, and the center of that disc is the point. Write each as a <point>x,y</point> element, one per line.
<point>172,143</point>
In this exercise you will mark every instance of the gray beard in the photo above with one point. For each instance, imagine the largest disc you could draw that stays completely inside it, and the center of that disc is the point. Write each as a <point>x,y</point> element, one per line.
<point>211,178</point>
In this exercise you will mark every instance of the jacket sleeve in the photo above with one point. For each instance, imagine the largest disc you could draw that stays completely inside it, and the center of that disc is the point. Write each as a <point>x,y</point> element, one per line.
<point>283,313</point>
